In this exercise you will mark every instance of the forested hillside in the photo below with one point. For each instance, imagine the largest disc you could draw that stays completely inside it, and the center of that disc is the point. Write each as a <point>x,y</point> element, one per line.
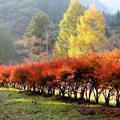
<point>18,19</point>
<point>7,48</point>
<point>17,14</point>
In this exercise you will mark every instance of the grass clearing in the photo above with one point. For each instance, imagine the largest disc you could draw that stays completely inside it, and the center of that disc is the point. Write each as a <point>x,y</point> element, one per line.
<point>15,105</point>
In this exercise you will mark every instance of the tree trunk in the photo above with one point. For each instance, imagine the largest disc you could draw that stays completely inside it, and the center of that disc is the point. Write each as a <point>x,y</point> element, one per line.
<point>97,99</point>
<point>82,94</point>
<point>33,88</point>
<point>75,95</point>
<point>107,100</point>
<point>117,99</point>
<point>89,95</point>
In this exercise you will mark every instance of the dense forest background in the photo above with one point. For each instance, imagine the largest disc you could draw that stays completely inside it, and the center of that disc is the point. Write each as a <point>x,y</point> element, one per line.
<point>15,16</point>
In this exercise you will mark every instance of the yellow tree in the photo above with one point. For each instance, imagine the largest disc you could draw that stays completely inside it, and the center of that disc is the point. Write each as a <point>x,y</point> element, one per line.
<point>68,27</point>
<point>90,30</point>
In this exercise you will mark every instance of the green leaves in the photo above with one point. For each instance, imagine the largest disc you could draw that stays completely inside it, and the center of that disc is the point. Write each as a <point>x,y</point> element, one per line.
<point>90,31</point>
<point>68,27</point>
<point>38,25</point>
<point>80,32</point>
<point>7,49</point>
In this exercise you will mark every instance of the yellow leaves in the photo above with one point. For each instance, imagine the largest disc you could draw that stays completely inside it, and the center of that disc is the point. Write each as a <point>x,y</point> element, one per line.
<point>92,19</point>
<point>68,27</point>
<point>73,1</point>
<point>90,31</point>
<point>80,33</point>
<point>75,47</point>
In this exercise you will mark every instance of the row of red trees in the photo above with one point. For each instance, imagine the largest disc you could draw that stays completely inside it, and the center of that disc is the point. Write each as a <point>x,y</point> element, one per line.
<point>91,74</point>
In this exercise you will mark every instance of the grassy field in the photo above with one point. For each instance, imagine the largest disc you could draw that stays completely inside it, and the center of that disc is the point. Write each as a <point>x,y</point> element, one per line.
<point>16,105</point>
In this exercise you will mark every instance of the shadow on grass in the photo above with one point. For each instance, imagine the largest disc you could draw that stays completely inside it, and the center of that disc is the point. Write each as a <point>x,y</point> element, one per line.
<point>66,99</point>
<point>27,105</point>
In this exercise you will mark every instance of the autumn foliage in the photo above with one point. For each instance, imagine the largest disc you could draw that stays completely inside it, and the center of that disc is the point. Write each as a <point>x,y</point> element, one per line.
<point>91,74</point>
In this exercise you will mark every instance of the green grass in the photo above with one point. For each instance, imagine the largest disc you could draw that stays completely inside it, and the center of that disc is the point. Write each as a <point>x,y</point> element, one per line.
<point>19,106</point>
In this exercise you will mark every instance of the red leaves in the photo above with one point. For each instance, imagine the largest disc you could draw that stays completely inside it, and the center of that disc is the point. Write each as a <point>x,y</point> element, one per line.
<point>5,72</point>
<point>19,74</point>
<point>105,67</point>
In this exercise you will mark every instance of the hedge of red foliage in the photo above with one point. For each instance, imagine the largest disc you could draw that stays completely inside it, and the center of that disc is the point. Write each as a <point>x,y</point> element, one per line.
<point>91,74</point>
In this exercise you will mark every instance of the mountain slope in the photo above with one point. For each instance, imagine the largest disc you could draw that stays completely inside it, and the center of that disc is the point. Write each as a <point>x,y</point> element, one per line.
<point>16,14</point>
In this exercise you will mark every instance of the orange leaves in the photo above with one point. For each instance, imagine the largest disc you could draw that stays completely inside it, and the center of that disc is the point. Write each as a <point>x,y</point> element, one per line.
<point>34,71</point>
<point>19,74</point>
<point>104,67</point>
<point>5,72</point>
<point>99,73</point>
